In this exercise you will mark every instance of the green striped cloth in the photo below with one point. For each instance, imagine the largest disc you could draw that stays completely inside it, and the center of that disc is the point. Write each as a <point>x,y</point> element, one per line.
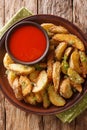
<point>66,116</point>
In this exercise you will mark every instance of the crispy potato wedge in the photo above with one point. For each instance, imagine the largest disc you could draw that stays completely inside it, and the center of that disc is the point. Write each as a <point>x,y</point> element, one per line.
<point>46,26</point>
<point>17,89</point>
<point>55,98</point>
<point>34,75</point>
<point>56,75</point>
<point>70,39</point>
<point>75,61</point>
<point>78,87</point>
<point>39,98</point>
<point>65,88</point>
<point>41,82</point>
<point>64,66</point>
<point>7,60</point>
<point>50,61</point>
<point>59,51</point>
<point>67,53</point>
<point>11,77</point>
<point>54,42</point>
<point>21,69</point>
<point>83,59</point>
<point>30,98</point>
<point>26,85</point>
<point>74,76</point>
<point>46,101</point>
<point>58,29</point>
<point>40,66</point>
<point>50,34</point>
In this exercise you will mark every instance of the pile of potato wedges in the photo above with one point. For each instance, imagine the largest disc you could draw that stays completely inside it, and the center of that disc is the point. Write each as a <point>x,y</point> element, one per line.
<point>54,79</point>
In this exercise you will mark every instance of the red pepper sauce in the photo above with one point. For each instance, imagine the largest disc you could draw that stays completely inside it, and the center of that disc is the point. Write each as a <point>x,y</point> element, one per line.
<point>27,43</point>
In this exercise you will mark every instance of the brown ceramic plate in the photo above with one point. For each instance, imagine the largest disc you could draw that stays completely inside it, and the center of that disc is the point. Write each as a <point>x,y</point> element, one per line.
<point>4,82</point>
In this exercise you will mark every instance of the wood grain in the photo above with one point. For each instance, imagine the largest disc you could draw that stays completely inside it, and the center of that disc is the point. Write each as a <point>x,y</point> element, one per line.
<point>80,19</point>
<point>2,109</point>
<point>80,14</point>
<point>61,8</point>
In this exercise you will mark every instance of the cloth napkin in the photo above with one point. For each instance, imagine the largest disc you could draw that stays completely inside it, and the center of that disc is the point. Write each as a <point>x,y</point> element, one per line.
<point>72,113</point>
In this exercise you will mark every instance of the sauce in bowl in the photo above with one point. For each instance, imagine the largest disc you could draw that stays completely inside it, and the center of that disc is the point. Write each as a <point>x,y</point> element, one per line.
<point>27,43</point>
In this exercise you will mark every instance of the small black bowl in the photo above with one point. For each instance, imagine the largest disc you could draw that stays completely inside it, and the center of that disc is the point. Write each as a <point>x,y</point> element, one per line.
<point>19,25</point>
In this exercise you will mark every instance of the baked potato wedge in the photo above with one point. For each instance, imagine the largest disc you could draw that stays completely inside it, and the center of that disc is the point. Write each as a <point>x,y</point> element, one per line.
<point>64,63</point>
<point>46,101</point>
<point>67,53</point>
<point>78,87</point>
<point>7,60</point>
<point>59,51</point>
<point>11,77</point>
<point>58,29</point>
<point>64,66</point>
<point>83,59</point>
<point>30,98</point>
<point>65,88</point>
<point>55,98</point>
<point>34,75</point>
<point>21,69</point>
<point>46,26</point>
<point>39,98</point>
<point>26,85</point>
<point>70,39</point>
<point>17,89</point>
<point>40,66</point>
<point>41,82</point>
<point>54,42</point>
<point>75,61</point>
<point>74,76</point>
<point>56,75</point>
<point>50,61</point>
<point>50,34</point>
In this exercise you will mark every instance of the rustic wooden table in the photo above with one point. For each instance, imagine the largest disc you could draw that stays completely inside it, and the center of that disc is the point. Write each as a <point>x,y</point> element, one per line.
<point>12,118</point>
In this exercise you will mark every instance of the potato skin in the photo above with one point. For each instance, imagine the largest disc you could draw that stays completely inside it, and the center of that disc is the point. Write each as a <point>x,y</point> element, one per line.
<point>60,50</point>
<point>30,98</point>
<point>7,60</point>
<point>21,69</point>
<point>50,61</point>
<point>11,77</point>
<point>56,75</point>
<point>46,101</point>
<point>70,39</point>
<point>83,59</point>
<point>41,82</point>
<point>74,76</point>
<point>33,76</point>
<point>26,85</point>
<point>78,87</point>
<point>17,89</point>
<point>65,88</point>
<point>75,61</point>
<point>55,98</point>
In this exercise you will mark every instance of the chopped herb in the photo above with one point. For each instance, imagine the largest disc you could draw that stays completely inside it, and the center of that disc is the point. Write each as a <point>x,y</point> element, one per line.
<point>71,42</point>
<point>65,57</point>
<point>23,84</point>
<point>37,67</point>
<point>66,66</point>
<point>6,72</point>
<point>74,90</point>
